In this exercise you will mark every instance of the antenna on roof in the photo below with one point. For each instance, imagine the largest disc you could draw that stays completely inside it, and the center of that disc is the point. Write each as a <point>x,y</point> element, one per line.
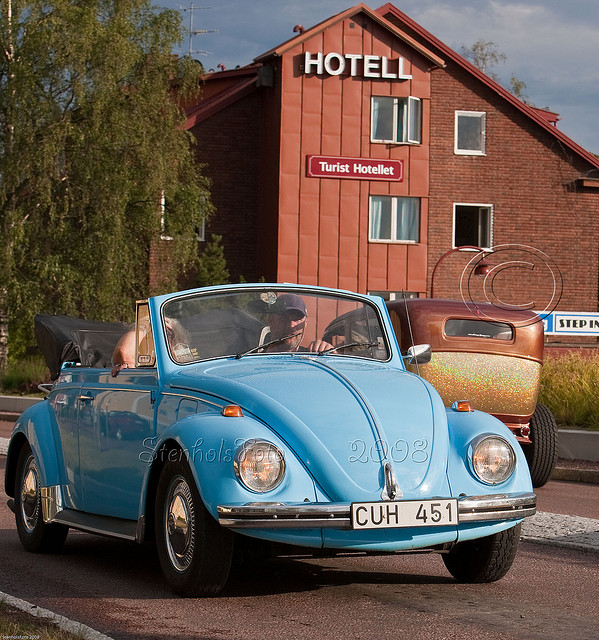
<point>195,32</point>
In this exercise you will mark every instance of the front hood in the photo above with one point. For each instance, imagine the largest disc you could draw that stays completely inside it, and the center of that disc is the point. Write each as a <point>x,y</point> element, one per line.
<point>344,418</point>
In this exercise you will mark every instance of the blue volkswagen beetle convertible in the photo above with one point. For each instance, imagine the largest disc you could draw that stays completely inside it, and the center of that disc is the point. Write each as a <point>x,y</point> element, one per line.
<point>269,412</point>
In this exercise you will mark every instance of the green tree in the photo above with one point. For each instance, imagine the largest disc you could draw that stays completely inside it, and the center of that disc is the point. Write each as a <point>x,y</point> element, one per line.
<point>212,267</point>
<point>91,143</point>
<point>484,56</point>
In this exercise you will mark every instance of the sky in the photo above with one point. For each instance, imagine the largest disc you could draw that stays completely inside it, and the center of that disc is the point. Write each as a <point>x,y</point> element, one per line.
<point>550,45</point>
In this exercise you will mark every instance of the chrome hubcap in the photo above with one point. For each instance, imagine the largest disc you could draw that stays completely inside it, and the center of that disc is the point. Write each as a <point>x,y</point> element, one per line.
<point>179,524</point>
<point>30,502</point>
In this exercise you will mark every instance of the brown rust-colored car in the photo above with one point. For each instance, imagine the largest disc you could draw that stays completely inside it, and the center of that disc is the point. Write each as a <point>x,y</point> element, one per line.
<point>490,356</point>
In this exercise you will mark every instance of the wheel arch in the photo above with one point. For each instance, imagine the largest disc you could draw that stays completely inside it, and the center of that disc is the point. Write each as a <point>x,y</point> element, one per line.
<point>18,441</point>
<point>35,427</point>
<point>149,498</point>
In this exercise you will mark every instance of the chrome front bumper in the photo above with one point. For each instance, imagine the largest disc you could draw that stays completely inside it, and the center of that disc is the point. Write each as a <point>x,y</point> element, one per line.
<point>306,515</point>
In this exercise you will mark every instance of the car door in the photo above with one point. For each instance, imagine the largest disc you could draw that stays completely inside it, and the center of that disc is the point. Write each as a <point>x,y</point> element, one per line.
<point>116,421</point>
<point>65,404</point>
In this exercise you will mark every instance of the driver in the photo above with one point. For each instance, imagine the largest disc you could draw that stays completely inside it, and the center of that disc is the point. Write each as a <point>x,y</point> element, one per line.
<point>288,318</point>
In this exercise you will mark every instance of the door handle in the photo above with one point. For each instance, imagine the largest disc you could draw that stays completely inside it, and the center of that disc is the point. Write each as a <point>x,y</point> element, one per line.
<point>85,397</point>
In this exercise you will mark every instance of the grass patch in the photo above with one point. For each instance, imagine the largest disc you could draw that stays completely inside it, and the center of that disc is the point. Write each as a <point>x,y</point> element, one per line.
<point>570,388</point>
<point>15,623</point>
<point>22,377</point>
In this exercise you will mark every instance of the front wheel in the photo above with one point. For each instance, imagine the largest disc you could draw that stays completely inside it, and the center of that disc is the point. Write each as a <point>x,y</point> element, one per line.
<point>541,453</point>
<point>34,534</point>
<point>195,552</point>
<point>485,559</point>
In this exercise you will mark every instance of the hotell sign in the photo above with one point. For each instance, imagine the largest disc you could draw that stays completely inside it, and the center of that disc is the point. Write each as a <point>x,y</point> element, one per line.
<point>355,64</point>
<point>354,168</point>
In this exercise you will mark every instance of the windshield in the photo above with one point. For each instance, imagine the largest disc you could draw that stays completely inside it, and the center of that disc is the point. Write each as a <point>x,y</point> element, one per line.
<point>263,321</point>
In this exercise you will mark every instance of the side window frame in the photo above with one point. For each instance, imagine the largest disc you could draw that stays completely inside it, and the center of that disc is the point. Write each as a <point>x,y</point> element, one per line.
<point>463,151</point>
<point>145,350</point>
<point>480,209</point>
<point>410,116</point>
<point>394,215</point>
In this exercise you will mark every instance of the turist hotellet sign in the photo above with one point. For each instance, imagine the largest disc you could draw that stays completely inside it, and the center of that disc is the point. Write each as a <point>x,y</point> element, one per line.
<point>354,168</point>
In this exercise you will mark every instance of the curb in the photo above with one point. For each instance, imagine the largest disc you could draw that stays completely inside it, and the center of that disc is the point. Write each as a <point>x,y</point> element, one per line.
<point>578,444</point>
<point>567,474</point>
<point>65,624</point>
<point>16,404</point>
<point>568,532</point>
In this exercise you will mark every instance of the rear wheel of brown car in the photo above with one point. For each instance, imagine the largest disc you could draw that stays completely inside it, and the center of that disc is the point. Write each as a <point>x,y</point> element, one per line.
<point>194,550</point>
<point>485,559</point>
<point>541,454</point>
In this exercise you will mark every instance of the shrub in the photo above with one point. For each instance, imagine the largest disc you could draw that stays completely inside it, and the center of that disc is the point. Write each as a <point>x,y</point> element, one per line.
<point>24,375</point>
<point>570,388</point>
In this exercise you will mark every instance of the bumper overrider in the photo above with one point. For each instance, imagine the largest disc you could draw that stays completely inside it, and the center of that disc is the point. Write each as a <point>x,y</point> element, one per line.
<point>306,515</point>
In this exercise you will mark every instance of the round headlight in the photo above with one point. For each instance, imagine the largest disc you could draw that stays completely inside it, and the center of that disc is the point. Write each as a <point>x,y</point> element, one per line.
<point>259,465</point>
<point>493,459</point>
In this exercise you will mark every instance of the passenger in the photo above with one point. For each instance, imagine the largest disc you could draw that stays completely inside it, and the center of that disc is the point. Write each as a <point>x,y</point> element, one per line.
<point>123,356</point>
<point>288,316</point>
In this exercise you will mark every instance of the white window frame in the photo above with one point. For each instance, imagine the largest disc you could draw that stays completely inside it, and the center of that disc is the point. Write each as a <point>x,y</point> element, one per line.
<point>480,207</point>
<point>483,141</point>
<point>394,203</point>
<point>412,119</point>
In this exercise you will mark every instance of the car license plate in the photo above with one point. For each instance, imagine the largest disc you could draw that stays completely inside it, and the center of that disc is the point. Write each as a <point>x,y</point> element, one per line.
<point>407,513</point>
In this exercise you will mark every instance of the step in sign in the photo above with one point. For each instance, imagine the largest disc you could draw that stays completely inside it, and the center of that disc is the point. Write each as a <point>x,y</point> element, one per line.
<point>571,323</point>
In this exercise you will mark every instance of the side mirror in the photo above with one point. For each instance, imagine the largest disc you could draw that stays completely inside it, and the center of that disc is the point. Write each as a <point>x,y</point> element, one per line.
<point>418,354</point>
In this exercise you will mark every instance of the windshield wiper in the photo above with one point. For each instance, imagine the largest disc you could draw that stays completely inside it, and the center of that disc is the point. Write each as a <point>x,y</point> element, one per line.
<point>266,344</point>
<point>349,345</point>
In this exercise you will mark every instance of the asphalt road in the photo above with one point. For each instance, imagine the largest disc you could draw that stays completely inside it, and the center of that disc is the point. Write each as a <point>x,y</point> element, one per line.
<point>118,589</point>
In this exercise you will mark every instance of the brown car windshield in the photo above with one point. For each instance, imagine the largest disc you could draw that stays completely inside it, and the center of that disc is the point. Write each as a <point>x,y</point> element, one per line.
<point>462,328</point>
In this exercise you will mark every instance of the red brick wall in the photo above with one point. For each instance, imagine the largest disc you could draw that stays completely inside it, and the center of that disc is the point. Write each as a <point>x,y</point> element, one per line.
<point>530,181</point>
<point>228,144</point>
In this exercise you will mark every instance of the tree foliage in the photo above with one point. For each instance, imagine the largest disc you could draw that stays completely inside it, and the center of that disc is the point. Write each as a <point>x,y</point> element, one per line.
<point>90,139</point>
<point>485,56</point>
<point>212,265</point>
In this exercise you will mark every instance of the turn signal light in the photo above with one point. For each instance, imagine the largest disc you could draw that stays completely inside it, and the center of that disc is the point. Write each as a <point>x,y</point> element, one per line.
<point>462,405</point>
<point>232,411</point>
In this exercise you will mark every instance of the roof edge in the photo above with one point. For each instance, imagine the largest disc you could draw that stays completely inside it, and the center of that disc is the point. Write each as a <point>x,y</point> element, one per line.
<point>348,13</point>
<point>531,112</point>
<point>207,108</point>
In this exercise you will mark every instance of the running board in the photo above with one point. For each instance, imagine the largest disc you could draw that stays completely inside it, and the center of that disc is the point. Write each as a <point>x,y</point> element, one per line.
<point>102,525</point>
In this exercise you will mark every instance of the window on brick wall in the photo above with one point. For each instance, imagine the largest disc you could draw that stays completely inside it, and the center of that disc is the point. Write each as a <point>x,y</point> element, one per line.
<point>396,120</point>
<point>470,133</point>
<point>472,225</point>
<point>394,219</point>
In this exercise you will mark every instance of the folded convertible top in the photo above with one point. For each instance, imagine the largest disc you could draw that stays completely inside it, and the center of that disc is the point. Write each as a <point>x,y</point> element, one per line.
<point>65,339</point>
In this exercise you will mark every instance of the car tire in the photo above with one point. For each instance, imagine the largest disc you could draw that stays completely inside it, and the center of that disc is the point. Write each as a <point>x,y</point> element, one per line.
<point>541,454</point>
<point>195,552</point>
<point>35,535</point>
<point>485,559</point>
